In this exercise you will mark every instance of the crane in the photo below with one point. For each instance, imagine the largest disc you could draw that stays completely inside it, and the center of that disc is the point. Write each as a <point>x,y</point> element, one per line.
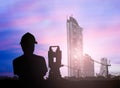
<point>106,65</point>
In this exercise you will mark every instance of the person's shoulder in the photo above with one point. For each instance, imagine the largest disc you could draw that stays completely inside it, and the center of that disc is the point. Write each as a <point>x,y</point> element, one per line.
<point>38,56</point>
<point>18,58</point>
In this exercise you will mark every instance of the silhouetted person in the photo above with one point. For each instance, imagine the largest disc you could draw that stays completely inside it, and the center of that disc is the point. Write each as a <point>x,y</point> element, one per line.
<point>29,67</point>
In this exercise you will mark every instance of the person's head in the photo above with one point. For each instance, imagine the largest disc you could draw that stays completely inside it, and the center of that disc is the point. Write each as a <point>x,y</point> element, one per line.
<point>27,43</point>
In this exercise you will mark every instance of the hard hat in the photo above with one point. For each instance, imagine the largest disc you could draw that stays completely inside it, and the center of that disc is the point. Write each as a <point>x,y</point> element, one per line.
<point>28,38</point>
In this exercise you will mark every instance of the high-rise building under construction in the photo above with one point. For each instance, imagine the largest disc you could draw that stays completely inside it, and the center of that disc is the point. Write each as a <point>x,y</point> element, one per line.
<point>75,47</point>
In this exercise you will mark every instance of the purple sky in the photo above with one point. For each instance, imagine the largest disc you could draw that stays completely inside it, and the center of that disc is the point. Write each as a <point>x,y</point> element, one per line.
<point>46,19</point>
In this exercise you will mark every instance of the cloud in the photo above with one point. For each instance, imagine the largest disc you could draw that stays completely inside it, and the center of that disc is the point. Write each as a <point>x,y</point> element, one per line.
<point>10,39</point>
<point>47,21</point>
<point>103,41</point>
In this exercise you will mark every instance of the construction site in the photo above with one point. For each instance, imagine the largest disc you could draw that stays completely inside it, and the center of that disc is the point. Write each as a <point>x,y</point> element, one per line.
<point>81,69</point>
<point>80,65</point>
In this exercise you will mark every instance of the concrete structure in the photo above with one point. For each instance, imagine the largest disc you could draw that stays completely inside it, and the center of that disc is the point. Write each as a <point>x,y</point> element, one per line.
<point>87,66</point>
<point>75,47</point>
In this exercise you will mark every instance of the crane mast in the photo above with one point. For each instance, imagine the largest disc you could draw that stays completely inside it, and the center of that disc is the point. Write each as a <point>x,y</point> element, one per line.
<point>104,67</point>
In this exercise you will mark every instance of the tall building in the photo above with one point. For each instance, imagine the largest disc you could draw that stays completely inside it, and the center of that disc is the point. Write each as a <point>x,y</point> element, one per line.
<point>74,47</point>
<point>88,66</point>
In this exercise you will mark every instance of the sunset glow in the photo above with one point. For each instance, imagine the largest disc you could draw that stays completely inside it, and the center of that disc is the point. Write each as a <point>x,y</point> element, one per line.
<point>46,19</point>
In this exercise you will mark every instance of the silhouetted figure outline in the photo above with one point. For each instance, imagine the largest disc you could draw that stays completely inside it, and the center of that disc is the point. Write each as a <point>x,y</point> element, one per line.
<point>54,72</point>
<point>29,67</point>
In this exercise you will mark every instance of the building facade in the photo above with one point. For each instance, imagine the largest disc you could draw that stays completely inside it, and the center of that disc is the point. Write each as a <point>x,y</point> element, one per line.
<point>74,47</point>
<point>88,66</point>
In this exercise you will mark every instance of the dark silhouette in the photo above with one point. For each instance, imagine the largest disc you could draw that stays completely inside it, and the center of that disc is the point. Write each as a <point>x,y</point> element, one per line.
<point>29,67</point>
<point>54,59</point>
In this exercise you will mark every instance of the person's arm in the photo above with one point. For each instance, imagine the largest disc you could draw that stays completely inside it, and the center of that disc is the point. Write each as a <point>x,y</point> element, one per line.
<point>15,69</point>
<point>44,69</point>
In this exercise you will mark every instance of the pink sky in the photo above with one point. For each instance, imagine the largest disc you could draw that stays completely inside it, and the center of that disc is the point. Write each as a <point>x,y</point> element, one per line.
<point>47,21</point>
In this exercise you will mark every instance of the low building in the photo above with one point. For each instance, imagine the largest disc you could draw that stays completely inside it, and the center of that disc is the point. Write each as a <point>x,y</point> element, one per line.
<point>87,66</point>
